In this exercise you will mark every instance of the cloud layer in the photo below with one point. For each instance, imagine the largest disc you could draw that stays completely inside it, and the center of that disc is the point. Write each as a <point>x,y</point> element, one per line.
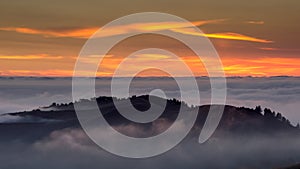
<point>72,149</point>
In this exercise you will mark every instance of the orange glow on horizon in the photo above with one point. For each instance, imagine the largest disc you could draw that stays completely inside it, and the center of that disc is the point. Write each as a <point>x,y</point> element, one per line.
<point>48,65</point>
<point>232,67</point>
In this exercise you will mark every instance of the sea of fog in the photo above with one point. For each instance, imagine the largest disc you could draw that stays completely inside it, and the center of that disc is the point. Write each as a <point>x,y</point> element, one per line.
<point>281,94</point>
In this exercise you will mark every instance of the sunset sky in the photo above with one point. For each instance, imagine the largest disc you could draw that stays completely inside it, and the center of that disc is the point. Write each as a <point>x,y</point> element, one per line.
<point>253,38</point>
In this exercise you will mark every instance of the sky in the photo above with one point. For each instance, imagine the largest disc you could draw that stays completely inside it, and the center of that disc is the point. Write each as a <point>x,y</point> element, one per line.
<point>44,38</point>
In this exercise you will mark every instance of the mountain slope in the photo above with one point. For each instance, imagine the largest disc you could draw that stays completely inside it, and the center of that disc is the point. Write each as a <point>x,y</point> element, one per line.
<point>241,121</point>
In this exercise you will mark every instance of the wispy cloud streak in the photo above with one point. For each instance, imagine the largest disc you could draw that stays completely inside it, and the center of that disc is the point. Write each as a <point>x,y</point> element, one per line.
<point>223,35</point>
<point>255,22</point>
<point>74,33</point>
<point>116,30</point>
<point>136,27</point>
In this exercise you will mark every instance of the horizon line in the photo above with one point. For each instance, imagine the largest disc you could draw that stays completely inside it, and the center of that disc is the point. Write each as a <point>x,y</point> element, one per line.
<point>3,76</point>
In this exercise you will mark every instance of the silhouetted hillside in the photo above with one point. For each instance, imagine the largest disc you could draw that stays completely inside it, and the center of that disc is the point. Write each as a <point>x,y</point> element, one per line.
<point>297,166</point>
<point>245,138</point>
<point>235,120</point>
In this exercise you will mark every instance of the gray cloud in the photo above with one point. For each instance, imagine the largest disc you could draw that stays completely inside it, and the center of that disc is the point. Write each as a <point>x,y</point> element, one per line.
<point>6,118</point>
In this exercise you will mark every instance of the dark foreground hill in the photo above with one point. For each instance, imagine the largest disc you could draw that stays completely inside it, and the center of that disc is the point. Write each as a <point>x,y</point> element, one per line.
<point>51,137</point>
<point>297,166</point>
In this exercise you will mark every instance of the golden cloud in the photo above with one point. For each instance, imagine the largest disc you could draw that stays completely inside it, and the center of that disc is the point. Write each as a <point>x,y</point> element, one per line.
<point>224,35</point>
<point>29,57</point>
